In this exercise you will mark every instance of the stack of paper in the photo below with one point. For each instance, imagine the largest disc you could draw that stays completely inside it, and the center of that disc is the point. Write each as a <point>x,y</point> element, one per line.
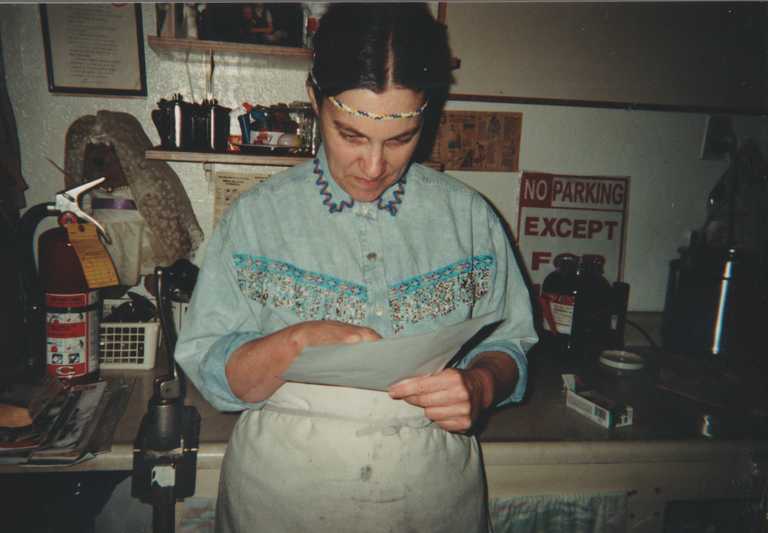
<point>72,427</point>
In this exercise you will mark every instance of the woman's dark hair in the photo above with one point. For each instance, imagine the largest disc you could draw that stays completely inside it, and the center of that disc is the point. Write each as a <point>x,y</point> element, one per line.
<point>375,46</point>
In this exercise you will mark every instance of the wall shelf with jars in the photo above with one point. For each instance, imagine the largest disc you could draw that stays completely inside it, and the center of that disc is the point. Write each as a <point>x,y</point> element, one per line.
<point>278,136</point>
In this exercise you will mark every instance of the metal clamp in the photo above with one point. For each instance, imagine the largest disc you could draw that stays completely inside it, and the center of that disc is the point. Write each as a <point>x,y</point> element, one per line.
<point>69,202</point>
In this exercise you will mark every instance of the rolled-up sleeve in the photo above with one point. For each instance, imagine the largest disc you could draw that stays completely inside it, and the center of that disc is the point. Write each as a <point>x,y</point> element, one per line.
<point>509,301</point>
<point>218,321</point>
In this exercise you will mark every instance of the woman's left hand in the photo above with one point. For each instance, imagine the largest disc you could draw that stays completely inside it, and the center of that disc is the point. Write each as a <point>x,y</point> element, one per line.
<point>454,398</point>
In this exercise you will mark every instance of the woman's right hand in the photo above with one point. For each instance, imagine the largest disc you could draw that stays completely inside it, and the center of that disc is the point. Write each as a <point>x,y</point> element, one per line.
<point>324,332</point>
<point>253,370</point>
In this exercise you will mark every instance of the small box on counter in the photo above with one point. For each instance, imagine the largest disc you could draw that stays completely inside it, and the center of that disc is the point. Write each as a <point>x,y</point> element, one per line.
<point>597,408</point>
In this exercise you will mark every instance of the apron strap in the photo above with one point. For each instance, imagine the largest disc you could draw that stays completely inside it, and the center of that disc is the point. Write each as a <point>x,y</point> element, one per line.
<point>391,427</point>
<point>386,427</point>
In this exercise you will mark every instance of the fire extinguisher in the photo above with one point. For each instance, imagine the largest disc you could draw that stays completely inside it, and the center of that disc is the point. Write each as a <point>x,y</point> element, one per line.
<point>62,311</point>
<point>72,309</point>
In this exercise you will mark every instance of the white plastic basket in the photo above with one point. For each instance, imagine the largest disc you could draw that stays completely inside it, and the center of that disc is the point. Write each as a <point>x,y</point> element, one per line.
<point>128,345</point>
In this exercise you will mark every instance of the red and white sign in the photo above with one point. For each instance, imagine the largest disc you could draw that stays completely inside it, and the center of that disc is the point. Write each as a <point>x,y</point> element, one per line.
<point>572,215</point>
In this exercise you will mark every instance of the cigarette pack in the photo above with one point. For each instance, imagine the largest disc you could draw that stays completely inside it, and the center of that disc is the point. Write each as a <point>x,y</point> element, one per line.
<point>597,408</point>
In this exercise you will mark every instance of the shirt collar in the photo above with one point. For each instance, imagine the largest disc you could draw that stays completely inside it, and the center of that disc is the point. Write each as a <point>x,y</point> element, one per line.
<point>336,200</point>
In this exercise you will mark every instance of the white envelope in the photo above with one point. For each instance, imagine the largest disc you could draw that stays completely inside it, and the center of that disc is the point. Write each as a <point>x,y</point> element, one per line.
<point>377,365</point>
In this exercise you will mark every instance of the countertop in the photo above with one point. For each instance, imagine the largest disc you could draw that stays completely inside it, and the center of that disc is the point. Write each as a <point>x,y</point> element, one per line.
<point>539,430</point>
<point>677,450</point>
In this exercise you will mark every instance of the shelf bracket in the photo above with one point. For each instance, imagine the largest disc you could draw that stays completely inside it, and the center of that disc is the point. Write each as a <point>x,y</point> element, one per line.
<point>209,169</point>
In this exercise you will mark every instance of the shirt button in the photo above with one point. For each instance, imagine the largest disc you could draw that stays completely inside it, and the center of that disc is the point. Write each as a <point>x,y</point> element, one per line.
<point>372,256</point>
<point>364,209</point>
<point>378,310</point>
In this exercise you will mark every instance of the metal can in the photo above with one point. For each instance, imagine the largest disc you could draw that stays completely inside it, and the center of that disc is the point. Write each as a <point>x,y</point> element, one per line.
<point>576,302</point>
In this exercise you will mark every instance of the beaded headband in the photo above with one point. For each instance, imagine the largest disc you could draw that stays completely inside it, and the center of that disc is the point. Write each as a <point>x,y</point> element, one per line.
<point>367,114</point>
<point>376,116</point>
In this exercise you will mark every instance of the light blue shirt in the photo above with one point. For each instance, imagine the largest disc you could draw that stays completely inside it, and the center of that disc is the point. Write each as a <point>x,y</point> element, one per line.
<point>429,253</point>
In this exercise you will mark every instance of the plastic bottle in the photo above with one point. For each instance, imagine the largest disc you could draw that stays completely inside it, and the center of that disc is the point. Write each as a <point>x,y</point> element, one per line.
<point>312,11</point>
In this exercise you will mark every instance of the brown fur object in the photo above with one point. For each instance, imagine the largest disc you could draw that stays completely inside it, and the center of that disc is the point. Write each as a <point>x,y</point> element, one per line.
<point>155,187</point>
<point>101,161</point>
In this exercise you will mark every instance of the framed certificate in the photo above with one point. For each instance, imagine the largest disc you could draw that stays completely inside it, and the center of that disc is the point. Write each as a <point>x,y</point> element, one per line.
<point>94,49</point>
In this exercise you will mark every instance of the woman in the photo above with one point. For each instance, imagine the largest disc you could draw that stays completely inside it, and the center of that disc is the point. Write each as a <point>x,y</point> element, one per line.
<point>358,245</point>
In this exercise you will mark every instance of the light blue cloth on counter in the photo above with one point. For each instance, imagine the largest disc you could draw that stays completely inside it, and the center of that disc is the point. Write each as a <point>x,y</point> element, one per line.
<point>198,515</point>
<point>578,513</point>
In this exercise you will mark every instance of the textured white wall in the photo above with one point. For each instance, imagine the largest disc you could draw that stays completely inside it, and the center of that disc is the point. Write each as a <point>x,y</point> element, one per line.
<point>42,119</point>
<point>658,150</point>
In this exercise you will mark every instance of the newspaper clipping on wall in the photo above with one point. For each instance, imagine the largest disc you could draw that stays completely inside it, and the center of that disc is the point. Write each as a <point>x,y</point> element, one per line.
<point>228,187</point>
<point>477,141</point>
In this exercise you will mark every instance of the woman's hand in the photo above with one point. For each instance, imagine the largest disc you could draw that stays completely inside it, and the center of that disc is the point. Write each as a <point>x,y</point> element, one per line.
<point>324,332</point>
<point>454,398</point>
<point>253,370</point>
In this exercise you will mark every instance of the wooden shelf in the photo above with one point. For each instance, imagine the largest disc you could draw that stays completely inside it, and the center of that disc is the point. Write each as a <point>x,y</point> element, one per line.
<point>170,48</point>
<point>175,49</point>
<point>230,158</point>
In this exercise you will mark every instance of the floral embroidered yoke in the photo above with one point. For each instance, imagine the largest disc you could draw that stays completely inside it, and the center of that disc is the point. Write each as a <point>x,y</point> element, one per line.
<point>429,253</point>
<point>311,296</point>
<point>314,296</point>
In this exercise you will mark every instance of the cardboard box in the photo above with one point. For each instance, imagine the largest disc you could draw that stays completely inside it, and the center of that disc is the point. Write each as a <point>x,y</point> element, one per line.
<point>597,408</point>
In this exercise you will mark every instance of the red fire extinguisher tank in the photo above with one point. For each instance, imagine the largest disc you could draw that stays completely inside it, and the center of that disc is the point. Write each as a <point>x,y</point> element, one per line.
<point>72,310</point>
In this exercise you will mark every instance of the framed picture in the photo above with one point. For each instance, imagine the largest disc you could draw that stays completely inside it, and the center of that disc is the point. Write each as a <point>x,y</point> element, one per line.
<point>275,24</point>
<point>94,49</point>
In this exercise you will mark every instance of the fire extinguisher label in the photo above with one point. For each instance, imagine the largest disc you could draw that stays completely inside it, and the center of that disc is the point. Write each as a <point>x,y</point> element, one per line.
<point>65,331</point>
<point>72,300</point>
<point>72,334</point>
<point>561,309</point>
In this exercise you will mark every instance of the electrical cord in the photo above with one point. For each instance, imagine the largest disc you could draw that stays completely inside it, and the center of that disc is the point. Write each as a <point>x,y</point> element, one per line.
<point>644,334</point>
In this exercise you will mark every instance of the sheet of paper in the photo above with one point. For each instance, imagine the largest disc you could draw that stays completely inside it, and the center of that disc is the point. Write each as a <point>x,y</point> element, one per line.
<point>377,365</point>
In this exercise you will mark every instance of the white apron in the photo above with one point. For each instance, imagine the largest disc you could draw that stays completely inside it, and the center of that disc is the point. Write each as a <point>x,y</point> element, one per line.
<point>333,459</point>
